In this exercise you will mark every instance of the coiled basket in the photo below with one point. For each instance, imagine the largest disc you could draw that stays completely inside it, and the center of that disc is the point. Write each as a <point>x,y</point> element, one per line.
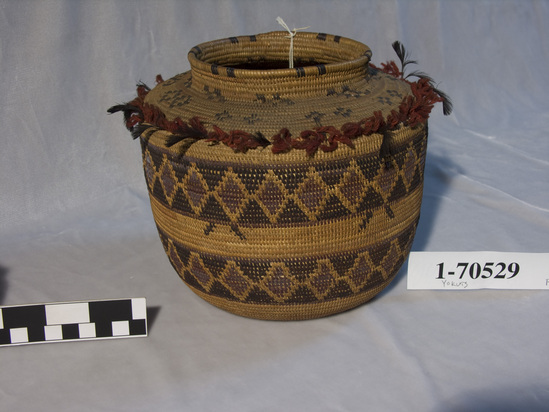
<point>284,193</point>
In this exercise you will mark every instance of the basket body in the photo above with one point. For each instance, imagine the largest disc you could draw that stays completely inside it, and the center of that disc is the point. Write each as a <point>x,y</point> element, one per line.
<point>281,238</point>
<point>284,234</point>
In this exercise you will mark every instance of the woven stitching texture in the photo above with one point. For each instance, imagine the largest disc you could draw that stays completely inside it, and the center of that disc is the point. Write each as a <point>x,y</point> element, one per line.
<point>295,240</point>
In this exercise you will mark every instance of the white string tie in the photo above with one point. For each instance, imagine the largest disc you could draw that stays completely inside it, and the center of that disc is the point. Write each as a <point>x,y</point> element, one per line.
<point>291,37</point>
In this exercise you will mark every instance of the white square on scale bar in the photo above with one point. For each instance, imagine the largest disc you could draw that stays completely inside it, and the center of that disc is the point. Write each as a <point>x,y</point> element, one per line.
<point>121,328</point>
<point>19,335</point>
<point>139,308</point>
<point>86,330</point>
<point>67,313</point>
<point>53,332</point>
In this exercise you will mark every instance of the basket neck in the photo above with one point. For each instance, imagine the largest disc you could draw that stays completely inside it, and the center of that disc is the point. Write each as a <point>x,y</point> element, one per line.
<point>252,67</point>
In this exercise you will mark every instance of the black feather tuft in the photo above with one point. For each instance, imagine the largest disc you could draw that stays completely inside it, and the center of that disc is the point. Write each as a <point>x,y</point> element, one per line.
<point>405,60</point>
<point>117,108</point>
<point>420,75</point>
<point>138,130</point>
<point>127,109</point>
<point>403,56</point>
<point>399,50</point>
<point>141,84</point>
<point>447,105</point>
<point>261,139</point>
<point>186,142</point>
<point>174,139</point>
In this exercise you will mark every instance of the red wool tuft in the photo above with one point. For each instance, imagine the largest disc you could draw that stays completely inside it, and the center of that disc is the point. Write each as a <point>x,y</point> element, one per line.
<point>413,110</point>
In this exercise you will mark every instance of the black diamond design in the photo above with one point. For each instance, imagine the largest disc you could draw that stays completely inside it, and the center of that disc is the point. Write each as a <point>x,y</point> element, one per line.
<point>181,203</point>
<point>375,279</point>
<point>257,295</point>
<point>218,289</point>
<point>332,175</point>
<point>369,166</point>
<point>182,253</point>
<point>191,280</point>
<point>371,200</point>
<point>292,214</point>
<point>255,270</point>
<point>399,190</point>
<point>379,253</point>
<point>302,268</point>
<point>302,295</point>
<point>251,179</point>
<point>156,157</point>
<point>253,214</point>
<point>211,174</point>
<point>343,263</point>
<point>214,264</point>
<point>213,211</point>
<point>416,180</point>
<point>340,290</point>
<point>291,180</point>
<point>333,209</point>
<point>158,191</point>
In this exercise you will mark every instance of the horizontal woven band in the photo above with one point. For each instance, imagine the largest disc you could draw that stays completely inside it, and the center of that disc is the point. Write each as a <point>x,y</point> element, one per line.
<point>305,280</point>
<point>300,311</point>
<point>313,239</point>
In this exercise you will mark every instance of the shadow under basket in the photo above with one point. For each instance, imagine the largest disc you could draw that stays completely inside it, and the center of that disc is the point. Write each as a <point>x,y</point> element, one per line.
<point>278,193</point>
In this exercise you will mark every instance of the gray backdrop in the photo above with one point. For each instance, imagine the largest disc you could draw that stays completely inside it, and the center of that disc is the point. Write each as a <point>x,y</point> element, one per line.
<point>75,222</point>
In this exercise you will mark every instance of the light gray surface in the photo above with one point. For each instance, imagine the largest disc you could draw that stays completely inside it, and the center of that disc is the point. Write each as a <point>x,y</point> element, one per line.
<point>75,222</point>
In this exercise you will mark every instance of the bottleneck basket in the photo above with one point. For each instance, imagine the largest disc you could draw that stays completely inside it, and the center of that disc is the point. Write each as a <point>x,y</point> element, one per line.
<point>284,193</point>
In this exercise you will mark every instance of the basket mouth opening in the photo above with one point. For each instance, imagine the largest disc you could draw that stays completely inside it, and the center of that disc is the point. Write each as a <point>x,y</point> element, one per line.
<point>270,52</point>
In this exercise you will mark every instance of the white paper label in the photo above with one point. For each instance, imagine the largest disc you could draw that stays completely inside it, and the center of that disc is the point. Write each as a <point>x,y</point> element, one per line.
<point>478,270</point>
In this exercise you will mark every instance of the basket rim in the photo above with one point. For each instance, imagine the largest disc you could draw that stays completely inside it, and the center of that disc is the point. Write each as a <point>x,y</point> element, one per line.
<point>239,47</point>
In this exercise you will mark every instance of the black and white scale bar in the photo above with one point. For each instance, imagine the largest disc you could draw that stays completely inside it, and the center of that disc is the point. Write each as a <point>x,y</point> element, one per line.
<point>70,321</point>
